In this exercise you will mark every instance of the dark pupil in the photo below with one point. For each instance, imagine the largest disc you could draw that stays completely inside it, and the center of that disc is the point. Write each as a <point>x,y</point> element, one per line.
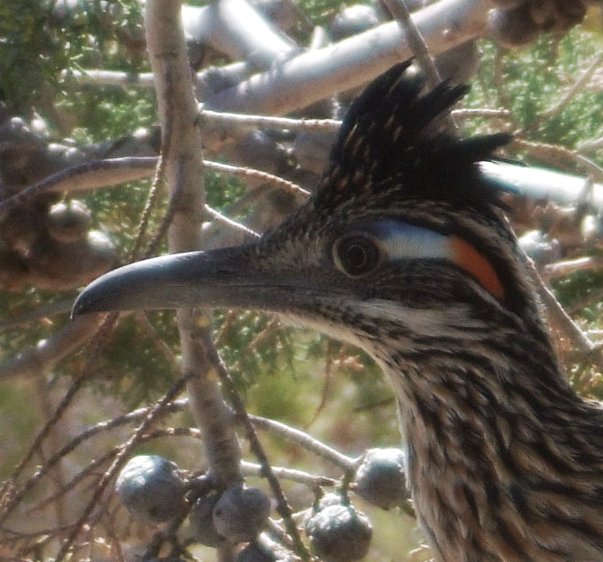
<point>358,255</point>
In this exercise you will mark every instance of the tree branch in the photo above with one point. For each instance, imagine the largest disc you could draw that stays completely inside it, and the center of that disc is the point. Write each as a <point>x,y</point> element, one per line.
<point>317,74</point>
<point>182,152</point>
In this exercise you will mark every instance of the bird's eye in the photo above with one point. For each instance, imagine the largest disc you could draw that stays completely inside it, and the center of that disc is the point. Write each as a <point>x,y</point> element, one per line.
<point>356,254</point>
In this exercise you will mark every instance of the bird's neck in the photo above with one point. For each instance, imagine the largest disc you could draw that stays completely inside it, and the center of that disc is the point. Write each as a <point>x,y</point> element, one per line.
<point>488,422</point>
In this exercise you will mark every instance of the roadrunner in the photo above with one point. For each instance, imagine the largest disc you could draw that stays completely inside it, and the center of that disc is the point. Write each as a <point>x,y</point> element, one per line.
<point>405,252</point>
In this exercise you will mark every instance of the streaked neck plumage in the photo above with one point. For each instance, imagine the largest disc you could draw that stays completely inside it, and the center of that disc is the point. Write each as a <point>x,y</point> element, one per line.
<point>497,442</point>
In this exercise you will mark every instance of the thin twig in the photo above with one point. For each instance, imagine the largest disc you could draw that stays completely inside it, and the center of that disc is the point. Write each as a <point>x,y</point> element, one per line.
<point>43,356</point>
<point>41,312</point>
<point>102,173</point>
<point>219,217</point>
<point>250,173</point>
<point>152,197</point>
<point>75,387</point>
<point>57,474</point>
<point>300,476</point>
<point>590,145</point>
<point>562,320</point>
<point>118,462</point>
<point>101,427</point>
<point>166,221</point>
<point>418,46</point>
<point>559,156</point>
<point>420,50</point>
<point>246,420</point>
<point>94,466</point>
<point>567,267</point>
<point>184,174</point>
<point>242,121</point>
<point>306,441</point>
<point>85,177</point>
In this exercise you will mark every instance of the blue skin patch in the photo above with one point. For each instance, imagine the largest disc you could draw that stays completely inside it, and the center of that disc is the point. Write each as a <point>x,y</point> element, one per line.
<point>407,241</point>
<point>404,241</point>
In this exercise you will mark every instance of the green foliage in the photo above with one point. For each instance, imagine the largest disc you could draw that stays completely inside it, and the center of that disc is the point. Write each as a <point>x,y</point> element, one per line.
<point>252,344</point>
<point>530,81</point>
<point>320,11</point>
<point>222,190</point>
<point>575,288</point>
<point>30,53</point>
<point>49,37</point>
<point>109,112</point>
<point>134,366</point>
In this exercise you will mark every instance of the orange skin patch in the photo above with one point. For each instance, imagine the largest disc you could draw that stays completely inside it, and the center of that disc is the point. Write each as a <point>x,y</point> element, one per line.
<point>405,241</point>
<point>472,261</point>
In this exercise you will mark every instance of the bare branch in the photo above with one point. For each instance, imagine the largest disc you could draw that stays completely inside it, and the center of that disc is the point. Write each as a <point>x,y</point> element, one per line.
<point>300,476</point>
<point>401,14</point>
<point>242,121</point>
<point>305,440</point>
<point>39,313</point>
<point>317,74</point>
<point>567,267</point>
<point>85,177</point>
<point>181,150</point>
<point>257,174</point>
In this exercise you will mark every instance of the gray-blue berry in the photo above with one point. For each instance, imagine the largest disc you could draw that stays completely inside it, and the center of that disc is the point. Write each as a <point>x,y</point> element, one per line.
<point>151,488</point>
<point>380,479</point>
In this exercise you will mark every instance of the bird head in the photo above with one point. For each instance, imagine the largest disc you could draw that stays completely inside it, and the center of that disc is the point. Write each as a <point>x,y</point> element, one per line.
<point>402,238</point>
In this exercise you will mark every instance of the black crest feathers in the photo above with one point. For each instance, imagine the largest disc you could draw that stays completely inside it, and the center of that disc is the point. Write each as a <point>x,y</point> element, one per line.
<point>392,134</point>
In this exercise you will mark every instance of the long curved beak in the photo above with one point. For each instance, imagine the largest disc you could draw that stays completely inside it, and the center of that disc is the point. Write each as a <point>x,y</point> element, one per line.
<point>225,277</point>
